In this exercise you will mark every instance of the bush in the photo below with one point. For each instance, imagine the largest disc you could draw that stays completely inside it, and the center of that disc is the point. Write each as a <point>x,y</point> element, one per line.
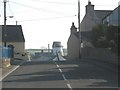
<point>106,37</point>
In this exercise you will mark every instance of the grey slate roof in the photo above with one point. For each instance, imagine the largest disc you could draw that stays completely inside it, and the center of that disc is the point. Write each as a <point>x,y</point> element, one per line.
<point>14,33</point>
<point>118,9</point>
<point>102,13</point>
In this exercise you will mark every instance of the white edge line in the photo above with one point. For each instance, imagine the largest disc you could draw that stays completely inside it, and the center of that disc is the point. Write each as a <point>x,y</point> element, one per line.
<point>11,71</point>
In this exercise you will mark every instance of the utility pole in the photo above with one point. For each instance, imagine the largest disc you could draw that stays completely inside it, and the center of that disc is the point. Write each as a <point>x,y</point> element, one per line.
<point>79,29</point>
<point>48,48</point>
<point>5,34</point>
<point>16,22</point>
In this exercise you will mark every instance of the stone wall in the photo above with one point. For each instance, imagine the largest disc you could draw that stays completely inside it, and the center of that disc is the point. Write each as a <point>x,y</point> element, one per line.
<point>100,54</point>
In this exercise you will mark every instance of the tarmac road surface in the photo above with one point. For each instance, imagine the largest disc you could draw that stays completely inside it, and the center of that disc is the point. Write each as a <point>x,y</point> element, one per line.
<point>67,74</point>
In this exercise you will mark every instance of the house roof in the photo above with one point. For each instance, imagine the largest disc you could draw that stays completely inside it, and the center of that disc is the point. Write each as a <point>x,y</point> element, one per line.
<point>117,8</point>
<point>102,13</point>
<point>56,44</point>
<point>14,33</point>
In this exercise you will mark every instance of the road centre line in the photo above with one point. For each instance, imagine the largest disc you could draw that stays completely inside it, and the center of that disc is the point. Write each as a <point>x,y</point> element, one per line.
<point>60,70</point>
<point>64,77</point>
<point>58,66</point>
<point>68,85</point>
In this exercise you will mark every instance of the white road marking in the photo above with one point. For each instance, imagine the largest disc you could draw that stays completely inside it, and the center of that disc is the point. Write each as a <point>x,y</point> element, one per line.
<point>64,77</point>
<point>11,71</point>
<point>68,85</point>
<point>58,66</point>
<point>60,70</point>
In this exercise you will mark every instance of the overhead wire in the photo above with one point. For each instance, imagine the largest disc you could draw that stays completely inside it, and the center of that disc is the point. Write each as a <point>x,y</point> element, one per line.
<point>39,19</point>
<point>39,9</point>
<point>36,9</point>
<point>55,2</point>
<point>70,3</point>
<point>1,12</point>
<point>45,10</point>
<point>12,12</point>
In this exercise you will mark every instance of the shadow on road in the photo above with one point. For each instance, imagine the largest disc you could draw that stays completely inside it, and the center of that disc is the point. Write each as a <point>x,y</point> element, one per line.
<point>75,71</point>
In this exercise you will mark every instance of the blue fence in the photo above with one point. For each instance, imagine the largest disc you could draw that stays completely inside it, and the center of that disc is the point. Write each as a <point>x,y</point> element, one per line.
<point>6,52</point>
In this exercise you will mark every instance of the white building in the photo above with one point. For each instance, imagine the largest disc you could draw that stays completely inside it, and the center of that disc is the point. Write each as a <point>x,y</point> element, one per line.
<point>57,48</point>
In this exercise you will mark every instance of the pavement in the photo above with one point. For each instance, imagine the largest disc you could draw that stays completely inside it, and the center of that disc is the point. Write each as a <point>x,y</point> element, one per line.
<point>7,70</point>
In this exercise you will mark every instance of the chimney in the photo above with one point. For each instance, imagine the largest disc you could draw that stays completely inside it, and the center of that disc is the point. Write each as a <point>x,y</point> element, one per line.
<point>89,7</point>
<point>73,29</point>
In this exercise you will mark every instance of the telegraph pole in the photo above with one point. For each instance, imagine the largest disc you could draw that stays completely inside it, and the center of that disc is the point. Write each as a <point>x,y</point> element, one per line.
<point>48,48</point>
<point>5,35</point>
<point>79,28</point>
<point>16,22</point>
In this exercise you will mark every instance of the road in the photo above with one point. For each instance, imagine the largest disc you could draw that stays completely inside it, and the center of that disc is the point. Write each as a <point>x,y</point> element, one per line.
<point>65,74</point>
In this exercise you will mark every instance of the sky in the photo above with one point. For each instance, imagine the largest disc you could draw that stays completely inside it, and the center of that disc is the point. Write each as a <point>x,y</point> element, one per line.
<point>46,21</point>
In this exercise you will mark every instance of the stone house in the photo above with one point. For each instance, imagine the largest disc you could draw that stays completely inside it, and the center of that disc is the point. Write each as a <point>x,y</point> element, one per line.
<point>73,43</point>
<point>91,19</point>
<point>14,38</point>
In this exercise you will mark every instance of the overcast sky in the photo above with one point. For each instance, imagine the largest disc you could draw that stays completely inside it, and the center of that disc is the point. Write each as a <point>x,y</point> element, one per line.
<point>45,21</point>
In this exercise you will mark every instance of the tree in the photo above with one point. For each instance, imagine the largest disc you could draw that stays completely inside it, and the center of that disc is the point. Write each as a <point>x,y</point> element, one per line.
<point>112,37</point>
<point>106,37</point>
<point>99,36</point>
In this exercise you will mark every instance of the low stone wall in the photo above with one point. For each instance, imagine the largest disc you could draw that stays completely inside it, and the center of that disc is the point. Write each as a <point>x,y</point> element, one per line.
<point>20,56</point>
<point>101,54</point>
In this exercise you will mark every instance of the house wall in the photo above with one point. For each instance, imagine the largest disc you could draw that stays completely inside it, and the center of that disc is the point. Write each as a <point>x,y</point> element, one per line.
<point>19,47</point>
<point>88,23</point>
<point>90,19</point>
<point>73,47</point>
